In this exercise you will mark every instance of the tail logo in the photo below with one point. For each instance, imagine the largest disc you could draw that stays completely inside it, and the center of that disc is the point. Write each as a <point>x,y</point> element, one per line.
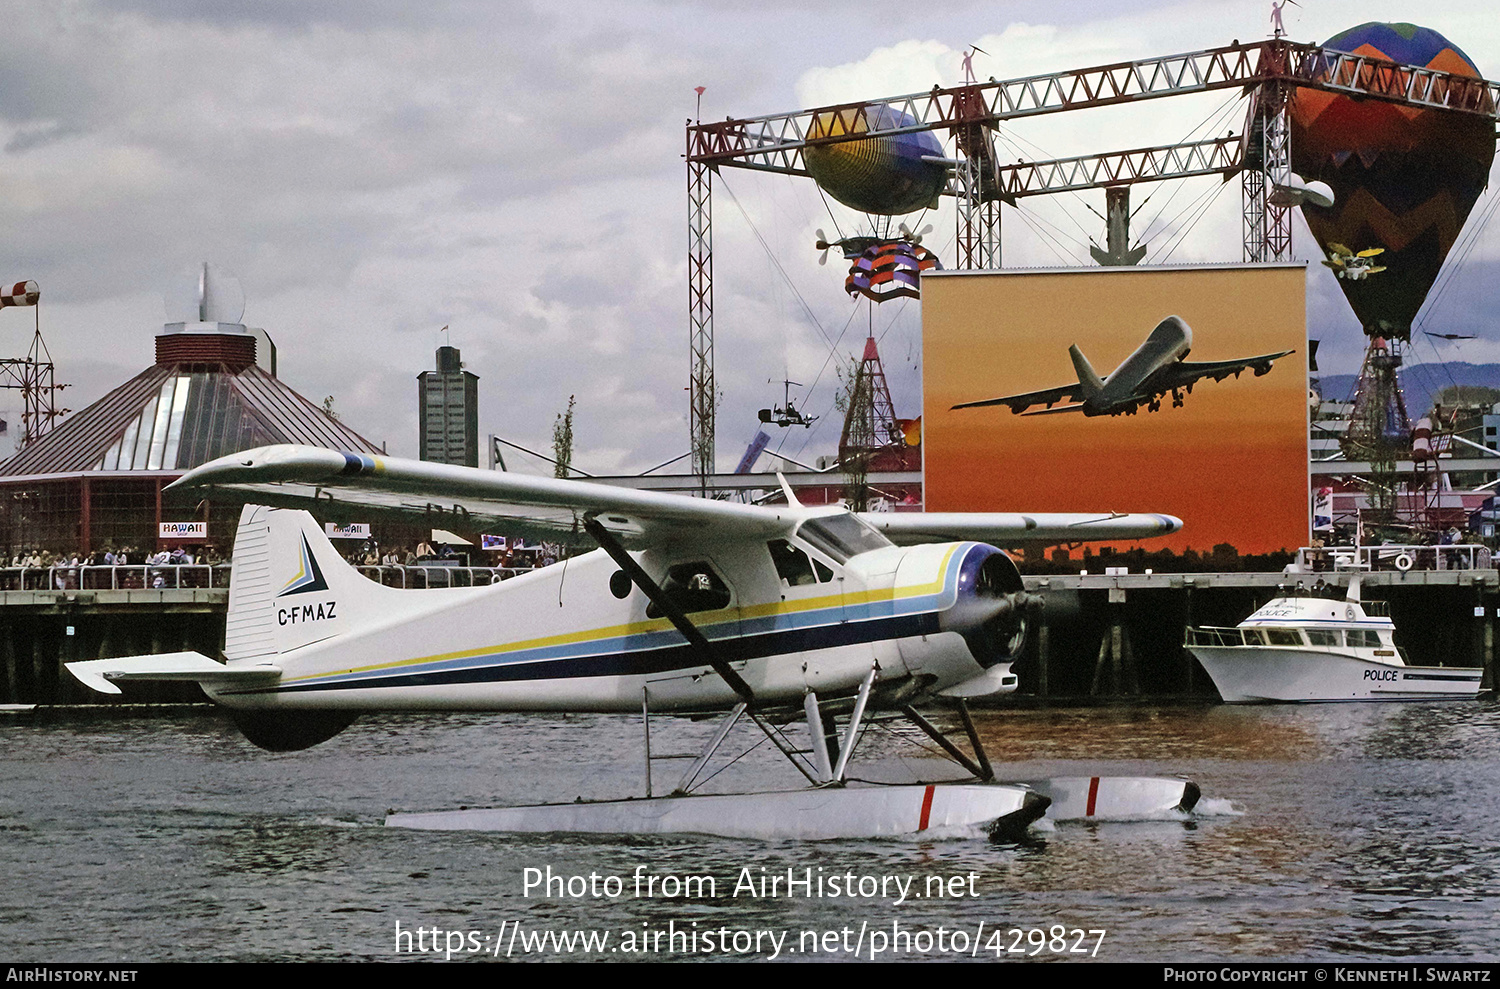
<point>309,577</point>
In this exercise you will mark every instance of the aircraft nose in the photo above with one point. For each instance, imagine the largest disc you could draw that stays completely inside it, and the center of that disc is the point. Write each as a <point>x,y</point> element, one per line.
<point>993,608</point>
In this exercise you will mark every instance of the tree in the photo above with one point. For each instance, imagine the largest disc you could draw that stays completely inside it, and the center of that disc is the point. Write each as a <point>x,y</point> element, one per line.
<point>1466,396</point>
<point>562,441</point>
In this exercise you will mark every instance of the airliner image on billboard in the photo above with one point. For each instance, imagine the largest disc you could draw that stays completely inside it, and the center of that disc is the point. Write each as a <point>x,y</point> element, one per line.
<point>1218,438</point>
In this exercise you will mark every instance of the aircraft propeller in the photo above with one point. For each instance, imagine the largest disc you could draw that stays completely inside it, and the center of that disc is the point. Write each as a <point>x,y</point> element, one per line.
<point>913,238</point>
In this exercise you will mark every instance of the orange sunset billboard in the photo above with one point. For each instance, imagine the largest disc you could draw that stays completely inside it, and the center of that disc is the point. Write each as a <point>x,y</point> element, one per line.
<point>1176,389</point>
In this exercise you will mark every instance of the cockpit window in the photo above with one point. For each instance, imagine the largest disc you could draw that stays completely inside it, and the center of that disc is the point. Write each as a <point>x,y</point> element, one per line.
<point>792,565</point>
<point>692,587</point>
<point>842,536</point>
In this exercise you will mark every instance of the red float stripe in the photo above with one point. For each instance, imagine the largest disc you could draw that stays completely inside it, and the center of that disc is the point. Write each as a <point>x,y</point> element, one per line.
<point>1093,796</point>
<point>927,807</point>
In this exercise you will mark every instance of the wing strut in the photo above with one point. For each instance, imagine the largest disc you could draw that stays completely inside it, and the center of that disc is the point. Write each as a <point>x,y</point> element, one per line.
<point>700,646</point>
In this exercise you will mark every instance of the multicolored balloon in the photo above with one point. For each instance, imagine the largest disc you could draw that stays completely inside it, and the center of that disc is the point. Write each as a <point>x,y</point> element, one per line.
<point>1404,178</point>
<point>891,269</point>
<point>885,175</point>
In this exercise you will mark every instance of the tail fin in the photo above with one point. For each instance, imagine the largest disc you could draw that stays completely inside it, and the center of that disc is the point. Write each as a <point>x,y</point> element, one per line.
<point>1088,381</point>
<point>290,587</point>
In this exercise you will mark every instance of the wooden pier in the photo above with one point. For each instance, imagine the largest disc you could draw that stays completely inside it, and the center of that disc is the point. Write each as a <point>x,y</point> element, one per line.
<point>1101,636</point>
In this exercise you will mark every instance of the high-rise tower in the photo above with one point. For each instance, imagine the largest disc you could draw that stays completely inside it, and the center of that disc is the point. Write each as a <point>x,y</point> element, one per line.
<point>448,412</point>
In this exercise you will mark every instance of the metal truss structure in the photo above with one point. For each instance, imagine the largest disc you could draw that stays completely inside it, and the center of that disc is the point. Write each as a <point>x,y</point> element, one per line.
<point>33,376</point>
<point>1267,70</point>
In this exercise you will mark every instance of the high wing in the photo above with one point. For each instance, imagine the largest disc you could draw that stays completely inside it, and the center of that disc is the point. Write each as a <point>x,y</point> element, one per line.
<point>1184,373</point>
<point>1009,530</point>
<point>355,487</point>
<point>1020,403</point>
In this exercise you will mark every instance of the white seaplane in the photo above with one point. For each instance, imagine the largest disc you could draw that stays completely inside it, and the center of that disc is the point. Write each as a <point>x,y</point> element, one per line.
<point>691,606</point>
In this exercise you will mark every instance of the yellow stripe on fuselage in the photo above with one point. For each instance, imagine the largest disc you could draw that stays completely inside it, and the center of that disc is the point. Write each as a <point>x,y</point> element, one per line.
<point>660,625</point>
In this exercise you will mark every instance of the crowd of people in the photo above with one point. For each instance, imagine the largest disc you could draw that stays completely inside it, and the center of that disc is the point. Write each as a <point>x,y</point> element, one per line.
<point>123,557</point>
<point>369,554</point>
<point>68,571</point>
<point>65,567</point>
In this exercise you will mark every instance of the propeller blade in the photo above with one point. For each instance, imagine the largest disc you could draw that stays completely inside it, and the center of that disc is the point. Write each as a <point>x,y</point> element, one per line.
<point>823,258</point>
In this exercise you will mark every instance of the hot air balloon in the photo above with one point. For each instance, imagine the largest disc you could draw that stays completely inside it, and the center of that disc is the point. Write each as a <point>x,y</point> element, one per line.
<point>885,175</point>
<point>1404,178</point>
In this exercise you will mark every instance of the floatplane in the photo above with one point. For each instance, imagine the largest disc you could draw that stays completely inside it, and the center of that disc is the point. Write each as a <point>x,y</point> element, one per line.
<point>761,615</point>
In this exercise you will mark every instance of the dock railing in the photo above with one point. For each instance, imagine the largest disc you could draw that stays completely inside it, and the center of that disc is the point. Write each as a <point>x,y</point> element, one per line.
<point>134,576</point>
<point>418,577</point>
<point>146,576</point>
<point>1394,556</point>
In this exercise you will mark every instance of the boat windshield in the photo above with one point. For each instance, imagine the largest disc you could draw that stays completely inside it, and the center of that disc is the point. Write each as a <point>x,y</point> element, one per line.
<point>1284,636</point>
<point>1323,637</point>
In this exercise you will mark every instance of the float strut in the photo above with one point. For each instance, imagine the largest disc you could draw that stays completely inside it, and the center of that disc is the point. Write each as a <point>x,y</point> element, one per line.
<point>851,733</point>
<point>987,772</point>
<point>817,731</point>
<point>934,733</point>
<point>730,720</point>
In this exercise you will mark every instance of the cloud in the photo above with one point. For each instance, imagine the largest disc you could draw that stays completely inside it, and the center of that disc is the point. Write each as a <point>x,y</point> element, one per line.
<point>374,170</point>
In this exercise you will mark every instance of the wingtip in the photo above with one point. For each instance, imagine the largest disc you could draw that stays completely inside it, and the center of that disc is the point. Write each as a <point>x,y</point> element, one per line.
<point>282,462</point>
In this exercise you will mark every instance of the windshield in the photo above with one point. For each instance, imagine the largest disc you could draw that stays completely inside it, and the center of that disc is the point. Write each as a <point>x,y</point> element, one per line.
<point>842,536</point>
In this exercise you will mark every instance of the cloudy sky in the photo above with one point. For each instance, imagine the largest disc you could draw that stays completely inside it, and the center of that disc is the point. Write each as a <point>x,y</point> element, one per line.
<point>375,169</point>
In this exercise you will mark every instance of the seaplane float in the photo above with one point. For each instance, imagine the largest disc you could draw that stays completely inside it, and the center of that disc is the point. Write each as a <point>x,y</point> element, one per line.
<point>760,615</point>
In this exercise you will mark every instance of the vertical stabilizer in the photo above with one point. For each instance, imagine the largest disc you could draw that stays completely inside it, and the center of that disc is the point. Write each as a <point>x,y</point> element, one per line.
<point>291,588</point>
<point>1088,381</point>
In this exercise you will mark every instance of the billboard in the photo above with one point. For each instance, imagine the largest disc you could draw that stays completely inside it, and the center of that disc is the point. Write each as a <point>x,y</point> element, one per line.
<point>182,530</point>
<point>1110,404</point>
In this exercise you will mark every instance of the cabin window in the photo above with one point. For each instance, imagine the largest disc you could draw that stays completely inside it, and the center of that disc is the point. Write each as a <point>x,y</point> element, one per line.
<point>1284,636</point>
<point>792,565</point>
<point>825,573</point>
<point>1323,637</point>
<point>842,536</point>
<point>1254,637</point>
<point>692,587</point>
<point>1360,638</point>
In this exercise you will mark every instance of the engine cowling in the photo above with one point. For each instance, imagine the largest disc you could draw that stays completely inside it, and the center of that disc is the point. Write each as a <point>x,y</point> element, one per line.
<point>993,611</point>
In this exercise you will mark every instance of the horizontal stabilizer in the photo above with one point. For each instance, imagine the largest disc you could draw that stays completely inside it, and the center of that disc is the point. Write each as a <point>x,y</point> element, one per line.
<point>100,674</point>
<point>1054,410</point>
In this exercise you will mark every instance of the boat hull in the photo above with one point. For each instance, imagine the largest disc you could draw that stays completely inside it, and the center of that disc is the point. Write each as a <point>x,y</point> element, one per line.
<point>1266,675</point>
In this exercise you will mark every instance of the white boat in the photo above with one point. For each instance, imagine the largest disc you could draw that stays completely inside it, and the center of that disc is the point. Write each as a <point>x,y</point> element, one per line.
<point>1305,648</point>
